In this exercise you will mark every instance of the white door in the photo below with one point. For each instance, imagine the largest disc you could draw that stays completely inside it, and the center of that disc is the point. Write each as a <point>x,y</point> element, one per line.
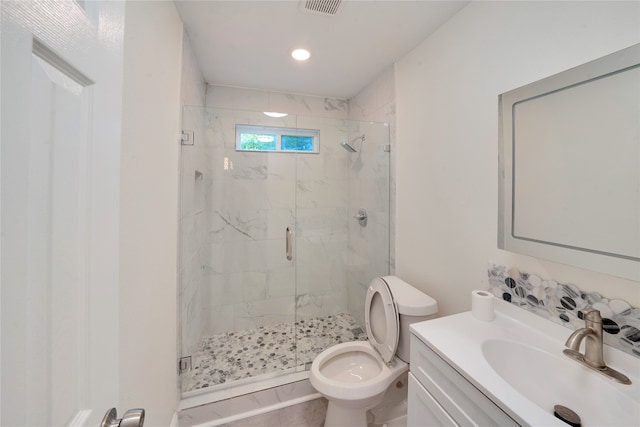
<point>61,112</point>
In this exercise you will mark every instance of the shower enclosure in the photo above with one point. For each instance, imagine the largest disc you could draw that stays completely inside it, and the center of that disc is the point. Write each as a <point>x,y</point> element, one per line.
<point>274,254</point>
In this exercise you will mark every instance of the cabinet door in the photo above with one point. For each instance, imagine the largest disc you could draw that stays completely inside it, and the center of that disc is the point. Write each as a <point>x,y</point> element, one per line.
<point>423,409</point>
<point>459,397</point>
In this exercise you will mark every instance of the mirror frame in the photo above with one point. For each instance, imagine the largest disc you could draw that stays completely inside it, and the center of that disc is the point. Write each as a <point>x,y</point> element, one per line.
<point>594,260</point>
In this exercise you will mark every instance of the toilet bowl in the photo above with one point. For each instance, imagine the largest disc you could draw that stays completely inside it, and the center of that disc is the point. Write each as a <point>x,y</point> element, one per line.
<point>354,371</point>
<point>355,376</point>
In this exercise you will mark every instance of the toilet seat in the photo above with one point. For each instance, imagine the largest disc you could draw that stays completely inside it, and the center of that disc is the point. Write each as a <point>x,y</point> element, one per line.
<point>381,319</point>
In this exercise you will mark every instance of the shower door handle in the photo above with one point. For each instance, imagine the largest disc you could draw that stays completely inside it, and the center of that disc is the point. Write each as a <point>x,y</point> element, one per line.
<point>288,251</point>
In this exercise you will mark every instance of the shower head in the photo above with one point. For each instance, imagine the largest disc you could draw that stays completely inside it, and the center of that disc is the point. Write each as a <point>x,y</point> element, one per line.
<point>347,145</point>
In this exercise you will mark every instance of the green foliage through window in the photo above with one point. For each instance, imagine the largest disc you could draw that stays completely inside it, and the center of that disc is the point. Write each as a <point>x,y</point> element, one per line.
<point>297,143</point>
<point>264,138</point>
<point>257,141</point>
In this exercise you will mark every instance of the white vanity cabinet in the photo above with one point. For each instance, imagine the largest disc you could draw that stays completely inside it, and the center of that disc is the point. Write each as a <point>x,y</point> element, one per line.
<point>440,396</point>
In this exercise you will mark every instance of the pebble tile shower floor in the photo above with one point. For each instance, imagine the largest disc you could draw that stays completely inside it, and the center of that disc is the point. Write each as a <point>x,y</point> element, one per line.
<point>234,356</point>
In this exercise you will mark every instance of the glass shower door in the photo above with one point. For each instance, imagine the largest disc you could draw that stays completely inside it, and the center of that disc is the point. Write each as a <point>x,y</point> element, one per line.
<point>237,284</point>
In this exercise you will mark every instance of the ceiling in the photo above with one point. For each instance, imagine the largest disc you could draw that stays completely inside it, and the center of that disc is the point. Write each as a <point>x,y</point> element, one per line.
<point>248,43</point>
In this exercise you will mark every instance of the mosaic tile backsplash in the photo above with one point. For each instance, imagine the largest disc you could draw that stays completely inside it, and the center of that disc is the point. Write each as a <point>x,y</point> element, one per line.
<point>565,304</point>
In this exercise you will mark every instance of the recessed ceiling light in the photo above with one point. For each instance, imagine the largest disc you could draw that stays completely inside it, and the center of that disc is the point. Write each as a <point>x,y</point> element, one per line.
<point>300,54</point>
<point>274,114</point>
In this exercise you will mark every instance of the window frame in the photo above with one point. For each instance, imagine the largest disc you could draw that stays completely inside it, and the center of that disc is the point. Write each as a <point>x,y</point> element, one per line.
<point>278,132</point>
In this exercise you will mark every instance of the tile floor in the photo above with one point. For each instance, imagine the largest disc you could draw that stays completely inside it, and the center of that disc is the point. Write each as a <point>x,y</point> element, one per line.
<point>234,356</point>
<point>308,414</point>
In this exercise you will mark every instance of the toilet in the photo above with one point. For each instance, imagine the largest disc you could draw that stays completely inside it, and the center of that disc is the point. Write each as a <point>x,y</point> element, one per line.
<point>354,376</point>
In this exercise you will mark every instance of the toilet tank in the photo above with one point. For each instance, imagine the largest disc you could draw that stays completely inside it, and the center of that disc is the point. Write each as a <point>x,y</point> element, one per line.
<point>413,306</point>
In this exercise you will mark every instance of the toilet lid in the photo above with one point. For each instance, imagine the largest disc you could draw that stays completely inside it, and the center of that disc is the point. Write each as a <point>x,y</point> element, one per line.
<point>381,319</point>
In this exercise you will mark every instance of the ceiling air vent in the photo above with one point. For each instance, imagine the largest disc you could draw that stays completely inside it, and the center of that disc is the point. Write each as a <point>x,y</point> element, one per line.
<point>322,7</point>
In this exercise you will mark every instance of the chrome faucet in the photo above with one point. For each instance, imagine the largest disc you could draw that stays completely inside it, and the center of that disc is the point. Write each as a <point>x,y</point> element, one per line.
<point>593,353</point>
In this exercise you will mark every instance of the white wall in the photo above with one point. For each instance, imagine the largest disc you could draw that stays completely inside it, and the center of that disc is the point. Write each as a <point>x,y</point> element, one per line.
<point>447,150</point>
<point>149,208</point>
<point>193,87</point>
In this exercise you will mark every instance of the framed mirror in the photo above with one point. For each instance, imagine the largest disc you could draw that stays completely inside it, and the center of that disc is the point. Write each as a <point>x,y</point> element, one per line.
<point>569,178</point>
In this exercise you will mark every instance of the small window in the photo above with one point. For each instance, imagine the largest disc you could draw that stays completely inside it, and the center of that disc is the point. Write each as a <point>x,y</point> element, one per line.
<point>263,138</point>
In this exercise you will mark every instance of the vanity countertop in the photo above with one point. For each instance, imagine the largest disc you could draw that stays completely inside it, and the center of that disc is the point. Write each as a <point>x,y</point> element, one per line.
<point>516,360</point>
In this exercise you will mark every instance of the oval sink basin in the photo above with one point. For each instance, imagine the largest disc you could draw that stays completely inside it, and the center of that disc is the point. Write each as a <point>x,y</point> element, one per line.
<point>548,380</point>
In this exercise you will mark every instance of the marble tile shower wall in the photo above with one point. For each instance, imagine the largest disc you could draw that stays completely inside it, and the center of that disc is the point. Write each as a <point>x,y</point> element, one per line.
<point>368,171</point>
<point>261,100</point>
<point>565,303</point>
<point>199,301</point>
<point>256,196</point>
<point>224,198</point>
<point>372,248</point>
